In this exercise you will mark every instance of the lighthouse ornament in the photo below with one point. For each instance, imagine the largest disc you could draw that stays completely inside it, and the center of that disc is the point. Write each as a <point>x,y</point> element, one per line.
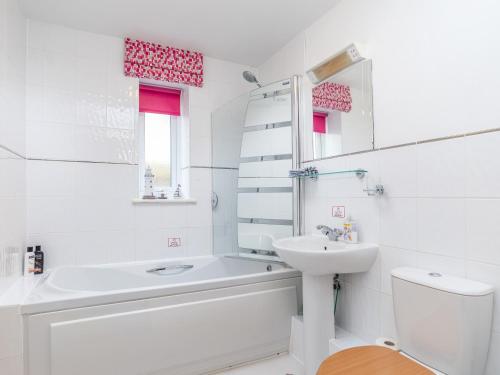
<point>148,184</point>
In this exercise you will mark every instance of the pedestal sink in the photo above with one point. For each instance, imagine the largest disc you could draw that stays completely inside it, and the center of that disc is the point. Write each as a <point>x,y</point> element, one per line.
<point>319,259</point>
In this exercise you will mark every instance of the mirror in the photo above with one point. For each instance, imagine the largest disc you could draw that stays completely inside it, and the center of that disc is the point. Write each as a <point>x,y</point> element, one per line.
<point>343,112</point>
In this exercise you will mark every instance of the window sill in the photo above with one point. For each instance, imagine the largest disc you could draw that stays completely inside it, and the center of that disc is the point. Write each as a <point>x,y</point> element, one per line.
<point>164,201</point>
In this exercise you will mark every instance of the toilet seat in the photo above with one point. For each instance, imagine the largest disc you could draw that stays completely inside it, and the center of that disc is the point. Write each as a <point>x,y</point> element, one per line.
<point>371,360</point>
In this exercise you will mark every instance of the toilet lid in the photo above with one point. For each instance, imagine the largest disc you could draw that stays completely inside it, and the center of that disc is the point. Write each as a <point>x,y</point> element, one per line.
<point>372,360</point>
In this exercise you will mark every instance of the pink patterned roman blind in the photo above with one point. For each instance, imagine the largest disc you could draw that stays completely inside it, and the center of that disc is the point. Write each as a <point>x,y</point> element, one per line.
<point>154,61</point>
<point>334,96</point>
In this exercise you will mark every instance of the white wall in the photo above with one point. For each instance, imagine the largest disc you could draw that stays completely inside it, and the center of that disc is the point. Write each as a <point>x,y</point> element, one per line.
<point>12,168</point>
<point>81,114</point>
<point>434,75</point>
<point>12,134</point>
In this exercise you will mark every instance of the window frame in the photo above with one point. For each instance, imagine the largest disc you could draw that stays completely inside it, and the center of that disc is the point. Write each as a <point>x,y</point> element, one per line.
<point>175,123</point>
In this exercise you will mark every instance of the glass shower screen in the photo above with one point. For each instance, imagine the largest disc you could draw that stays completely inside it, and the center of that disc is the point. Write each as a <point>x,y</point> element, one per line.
<point>254,200</point>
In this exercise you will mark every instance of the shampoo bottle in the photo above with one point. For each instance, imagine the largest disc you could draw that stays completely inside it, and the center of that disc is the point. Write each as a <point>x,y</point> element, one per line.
<point>39,259</point>
<point>29,262</point>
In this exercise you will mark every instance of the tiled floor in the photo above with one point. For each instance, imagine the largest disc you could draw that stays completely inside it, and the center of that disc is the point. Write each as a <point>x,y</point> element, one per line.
<point>280,365</point>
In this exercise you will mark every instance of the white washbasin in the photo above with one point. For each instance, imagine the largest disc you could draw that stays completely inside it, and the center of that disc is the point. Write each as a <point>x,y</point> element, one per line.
<point>316,255</point>
<point>319,258</point>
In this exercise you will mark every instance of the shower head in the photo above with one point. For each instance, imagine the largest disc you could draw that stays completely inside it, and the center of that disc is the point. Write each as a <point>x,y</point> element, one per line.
<point>250,77</point>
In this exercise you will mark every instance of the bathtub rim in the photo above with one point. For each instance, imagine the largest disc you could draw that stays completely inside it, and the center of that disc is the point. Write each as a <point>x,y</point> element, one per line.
<point>79,299</point>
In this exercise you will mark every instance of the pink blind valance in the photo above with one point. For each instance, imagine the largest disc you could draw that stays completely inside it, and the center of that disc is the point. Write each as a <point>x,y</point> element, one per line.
<point>153,99</point>
<point>319,122</point>
<point>154,61</point>
<point>334,96</point>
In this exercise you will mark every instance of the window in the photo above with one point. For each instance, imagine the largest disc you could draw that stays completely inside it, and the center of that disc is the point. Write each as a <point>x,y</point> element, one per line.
<point>158,137</point>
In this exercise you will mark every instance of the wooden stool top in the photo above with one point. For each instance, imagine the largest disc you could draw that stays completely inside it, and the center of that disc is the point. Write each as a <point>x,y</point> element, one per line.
<point>370,360</point>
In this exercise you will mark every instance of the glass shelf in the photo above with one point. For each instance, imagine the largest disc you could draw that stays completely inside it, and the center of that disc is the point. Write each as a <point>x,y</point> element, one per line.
<point>360,173</point>
<point>312,173</point>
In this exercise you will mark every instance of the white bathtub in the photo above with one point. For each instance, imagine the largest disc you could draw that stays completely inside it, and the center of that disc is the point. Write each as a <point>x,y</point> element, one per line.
<point>121,319</point>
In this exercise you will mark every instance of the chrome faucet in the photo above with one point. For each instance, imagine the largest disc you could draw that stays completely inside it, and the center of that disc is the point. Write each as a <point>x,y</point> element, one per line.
<point>332,234</point>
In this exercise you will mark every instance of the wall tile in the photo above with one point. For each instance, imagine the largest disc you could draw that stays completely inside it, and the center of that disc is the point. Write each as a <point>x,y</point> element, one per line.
<point>387,320</point>
<point>13,177</point>
<point>201,151</point>
<point>153,244</point>
<point>398,226</point>
<point>50,141</point>
<point>91,247</point>
<point>391,258</point>
<point>60,70</point>
<point>91,74</point>
<point>199,240</point>
<point>440,168</point>
<point>370,162</point>
<point>481,225</point>
<point>50,179</point>
<point>34,103</point>
<point>366,213</point>
<point>82,108</point>
<point>398,171</point>
<point>35,66</point>
<point>366,314</point>
<point>91,109</point>
<point>97,247</point>
<point>59,106</point>
<point>344,315</point>
<point>482,159</point>
<point>59,248</point>
<point>161,217</point>
<point>371,279</point>
<point>489,274</point>
<point>441,226</point>
<point>50,215</point>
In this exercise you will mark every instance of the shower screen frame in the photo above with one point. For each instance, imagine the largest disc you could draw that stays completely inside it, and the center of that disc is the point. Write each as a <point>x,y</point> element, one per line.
<point>296,224</point>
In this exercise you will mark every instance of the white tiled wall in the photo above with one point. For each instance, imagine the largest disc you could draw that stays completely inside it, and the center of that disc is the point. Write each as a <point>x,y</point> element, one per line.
<point>425,219</point>
<point>81,115</point>
<point>12,134</point>
<point>12,168</point>
<point>442,198</point>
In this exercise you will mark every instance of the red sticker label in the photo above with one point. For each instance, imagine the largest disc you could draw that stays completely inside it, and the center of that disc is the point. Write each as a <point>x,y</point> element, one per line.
<point>338,211</point>
<point>174,242</point>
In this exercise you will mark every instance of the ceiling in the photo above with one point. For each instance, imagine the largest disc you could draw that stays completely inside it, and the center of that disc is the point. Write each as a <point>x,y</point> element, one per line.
<point>242,31</point>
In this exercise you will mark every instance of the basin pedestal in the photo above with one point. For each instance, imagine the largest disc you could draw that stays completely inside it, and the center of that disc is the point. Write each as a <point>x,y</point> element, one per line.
<point>319,323</point>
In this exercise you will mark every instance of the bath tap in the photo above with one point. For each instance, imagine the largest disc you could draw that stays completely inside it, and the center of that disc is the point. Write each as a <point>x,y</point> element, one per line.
<point>332,234</point>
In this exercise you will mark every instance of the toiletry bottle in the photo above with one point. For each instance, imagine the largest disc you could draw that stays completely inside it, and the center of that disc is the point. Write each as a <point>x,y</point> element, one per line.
<point>350,231</point>
<point>29,262</point>
<point>39,259</point>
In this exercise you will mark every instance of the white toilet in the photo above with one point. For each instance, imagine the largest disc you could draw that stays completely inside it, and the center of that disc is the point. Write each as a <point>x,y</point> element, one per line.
<point>443,322</point>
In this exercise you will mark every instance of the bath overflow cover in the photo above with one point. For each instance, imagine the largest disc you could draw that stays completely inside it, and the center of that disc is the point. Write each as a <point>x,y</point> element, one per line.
<point>269,268</point>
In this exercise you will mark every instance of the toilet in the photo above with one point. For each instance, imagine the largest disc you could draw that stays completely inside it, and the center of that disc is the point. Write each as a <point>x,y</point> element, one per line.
<point>443,324</point>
